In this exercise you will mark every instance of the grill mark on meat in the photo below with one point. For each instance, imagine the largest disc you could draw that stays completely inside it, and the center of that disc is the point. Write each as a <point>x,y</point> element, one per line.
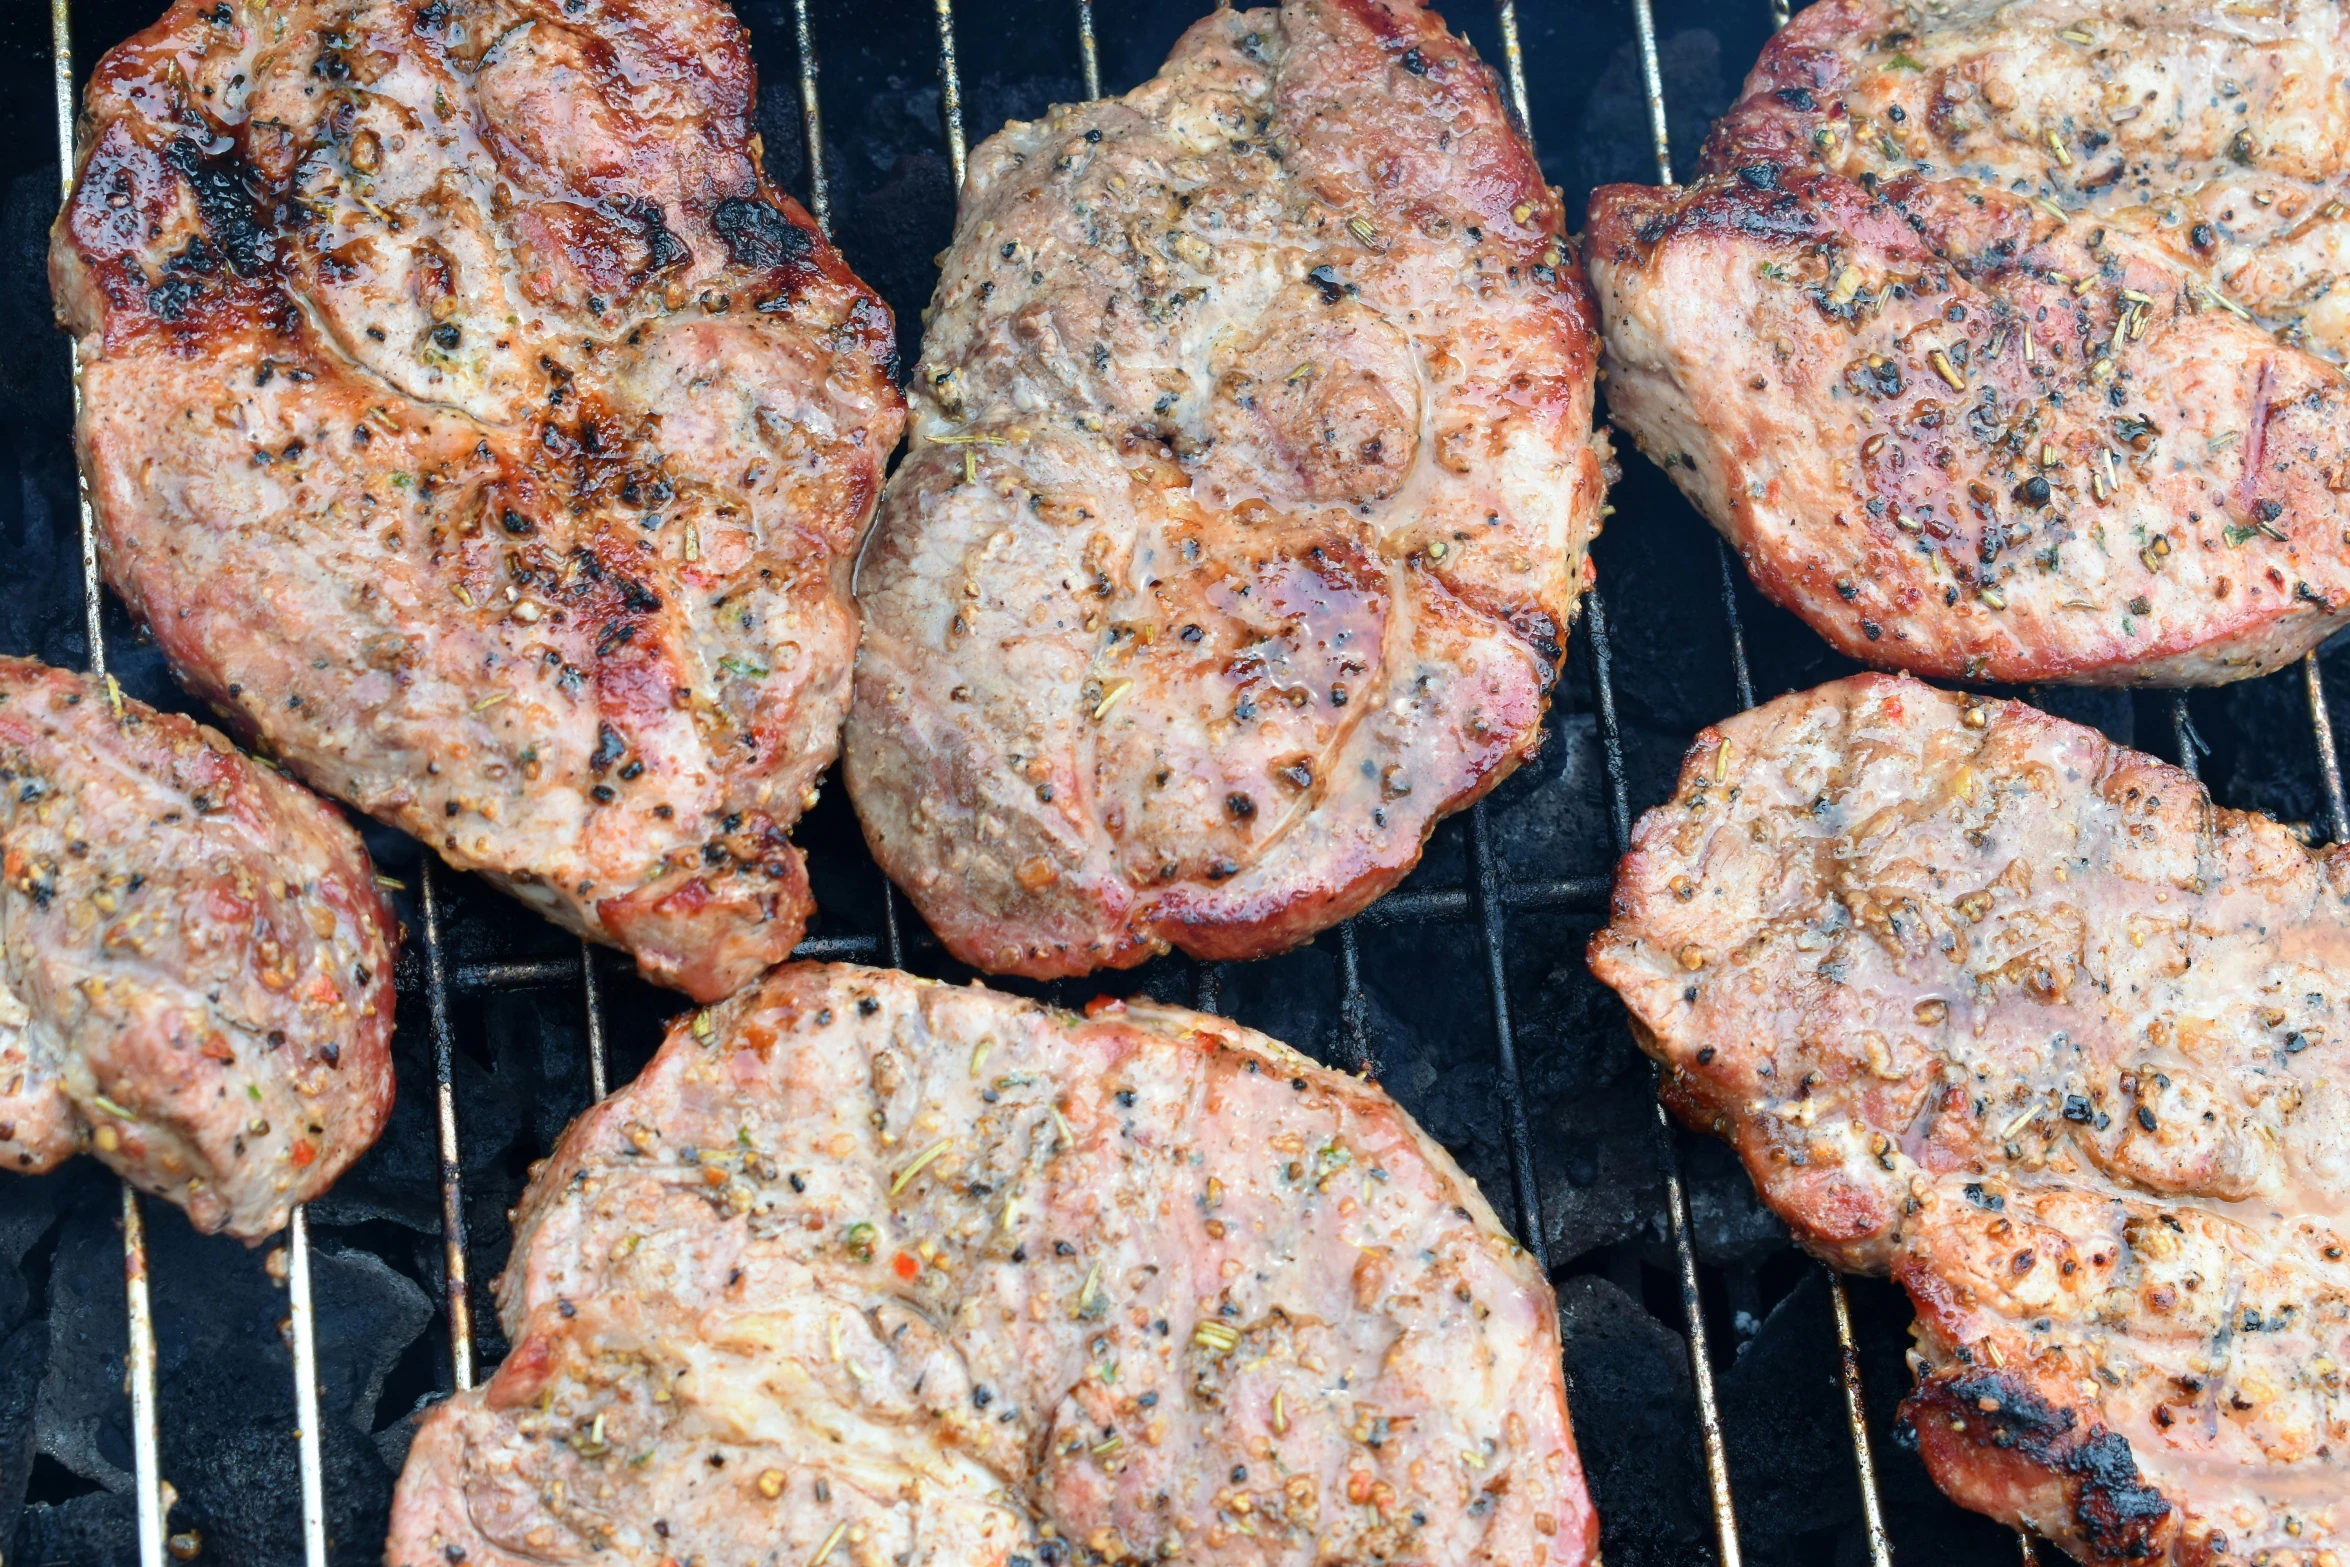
<point>2256,442</point>
<point>1113,1287</point>
<point>431,421</point>
<point>2027,1021</point>
<point>195,964</point>
<point>1253,463</point>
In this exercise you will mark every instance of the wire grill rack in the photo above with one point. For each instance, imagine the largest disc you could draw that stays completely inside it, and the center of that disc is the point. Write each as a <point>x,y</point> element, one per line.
<point>1485,904</point>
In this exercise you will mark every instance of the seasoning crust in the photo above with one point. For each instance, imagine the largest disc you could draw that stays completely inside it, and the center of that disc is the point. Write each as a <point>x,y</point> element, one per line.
<point>1250,484</point>
<point>195,964</point>
<point>2003,339</point>
<point>866,1268</point>
<point>2024,1019</point>
<point>473,424</point>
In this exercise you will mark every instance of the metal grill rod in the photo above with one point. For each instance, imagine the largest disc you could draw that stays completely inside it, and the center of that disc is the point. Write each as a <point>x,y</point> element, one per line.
<point>305,1337</point>
<point>1701,1371</point>
<point>138,1313</point>
<point>812,121</point>
<point>950,92</point>
<point>1490,911</point>
<point>1090,56</point>
<point>539,973</point>
<point>592,1001</point>
<point>2329,760</point>
<point>141,1367</point>
<point>444,1063</point>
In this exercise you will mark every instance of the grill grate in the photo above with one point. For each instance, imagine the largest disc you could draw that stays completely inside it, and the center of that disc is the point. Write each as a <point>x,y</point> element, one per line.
<point>1486,904</point>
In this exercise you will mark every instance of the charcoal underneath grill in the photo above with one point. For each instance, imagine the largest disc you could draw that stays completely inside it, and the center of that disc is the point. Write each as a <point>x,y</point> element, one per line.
<point>1531,873</point>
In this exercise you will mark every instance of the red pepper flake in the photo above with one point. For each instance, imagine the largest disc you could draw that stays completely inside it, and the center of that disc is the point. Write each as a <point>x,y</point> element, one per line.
<point>906,1266</point>
<point>302,1153</point>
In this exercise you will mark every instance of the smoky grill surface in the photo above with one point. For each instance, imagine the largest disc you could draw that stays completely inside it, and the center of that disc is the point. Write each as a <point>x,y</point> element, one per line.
<point>1529,870</point>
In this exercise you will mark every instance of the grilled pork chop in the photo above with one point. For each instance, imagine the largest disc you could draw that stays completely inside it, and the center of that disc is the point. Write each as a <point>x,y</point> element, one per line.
<point>1246,508</point>
<point>2024,1019</point>
<point>2002,339</point>
<point>195,965</point>
<point>472,422</point>
<point>865,1268</point>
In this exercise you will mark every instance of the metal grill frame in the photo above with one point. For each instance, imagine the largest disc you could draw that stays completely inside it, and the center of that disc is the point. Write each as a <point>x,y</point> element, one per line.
<point>1488,901</point>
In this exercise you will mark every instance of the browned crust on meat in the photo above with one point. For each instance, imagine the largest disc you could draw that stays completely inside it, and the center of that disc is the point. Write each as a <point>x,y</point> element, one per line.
<point>2013,1443</point>
<point>1122,1283</point>
<point>1246,506</point>
<point>195,963</point>
<point>475,424</point>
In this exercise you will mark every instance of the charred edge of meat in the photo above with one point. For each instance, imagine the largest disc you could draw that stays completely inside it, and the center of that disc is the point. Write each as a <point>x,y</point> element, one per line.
<point>2120,1517</point>
<point>225,204</point>
<point>759,237</point>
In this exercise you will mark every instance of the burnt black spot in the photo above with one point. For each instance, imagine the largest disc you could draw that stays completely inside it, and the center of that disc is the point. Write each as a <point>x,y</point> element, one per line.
<point>610,748</point>
<point>1415,62</point>
<point>2033,491</point>
<point>516,523</point>
<point>224,203</point>
<point>663,249</point>
<point>2119,1513</point>
<point>1983,1199</point>
<point>1326,281</point>
<point>448,335</point>
<point>1760,176</point>
<point>1797,98</point>
<point>756,235</point>
<point>637,596</point>
<point>171,299</point>
<point>196,257</point>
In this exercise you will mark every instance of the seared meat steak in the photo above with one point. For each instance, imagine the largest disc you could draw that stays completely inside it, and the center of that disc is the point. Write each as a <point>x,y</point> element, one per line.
<point>472,421</point>
<point>195,966</point>
<point>1246,508</point>
<point>2002,338</point>
<point>866,1268</point>
<point>2025,1019</point>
